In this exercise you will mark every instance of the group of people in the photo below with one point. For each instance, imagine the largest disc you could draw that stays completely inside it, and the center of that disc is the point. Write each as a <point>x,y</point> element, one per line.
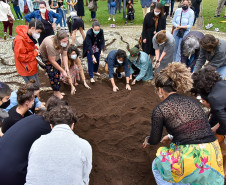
<point>31,140</point>
<point>37,145</point>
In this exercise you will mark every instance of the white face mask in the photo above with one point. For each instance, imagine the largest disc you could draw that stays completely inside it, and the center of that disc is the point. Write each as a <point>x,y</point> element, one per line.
<point>161,43</point>
<point>156,13</point>
<point>64,45</point>
<point>36,35</point>
<point>43,10</point>
<point>73,57</point>
<point>120,62</point>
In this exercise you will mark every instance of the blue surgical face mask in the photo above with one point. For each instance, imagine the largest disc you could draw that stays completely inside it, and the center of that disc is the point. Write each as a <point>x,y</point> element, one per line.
<point>96,32</point>
<point>64,45</point>
<point>73,57</point>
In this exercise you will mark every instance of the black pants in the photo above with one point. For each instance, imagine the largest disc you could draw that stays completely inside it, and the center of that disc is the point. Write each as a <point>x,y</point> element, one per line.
<point>136,70</point>
<point>44,34</point>
<point>166,10</point>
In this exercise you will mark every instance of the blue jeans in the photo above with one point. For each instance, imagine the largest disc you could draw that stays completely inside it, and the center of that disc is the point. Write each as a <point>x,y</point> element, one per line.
<point>111,10</point>
<point>177,50</point>
<point>63,15</point>
<point>172,6</point>
<point>28,78</point>
<point>91,66</point>
<point>17,11</point>
<point>158,178</point>
<point>222,71</point>
<point>93,15</point>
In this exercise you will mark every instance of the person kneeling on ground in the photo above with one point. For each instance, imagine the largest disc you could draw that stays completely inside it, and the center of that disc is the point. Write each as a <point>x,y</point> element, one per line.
<point>32,86</point>
<point>25,99</point>
<point>75,69</point>
<point>60,152</point>
<point>25,51</point>
<point>16,144</point>
<point>117,59</point>
<point>210,86</point>
<point>74,24</point>
<point>213,50</point>
<point>140,65</point>
<point>194,153</point>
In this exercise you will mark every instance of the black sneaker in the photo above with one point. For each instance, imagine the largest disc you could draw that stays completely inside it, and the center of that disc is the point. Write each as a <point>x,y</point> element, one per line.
<point>217,16</point>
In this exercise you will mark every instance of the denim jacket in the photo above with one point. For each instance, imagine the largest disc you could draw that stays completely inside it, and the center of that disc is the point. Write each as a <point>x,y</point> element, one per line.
<point>37,15</point>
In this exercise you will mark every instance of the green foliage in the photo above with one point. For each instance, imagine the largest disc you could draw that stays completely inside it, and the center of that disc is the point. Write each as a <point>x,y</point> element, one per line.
<point>209,8</point>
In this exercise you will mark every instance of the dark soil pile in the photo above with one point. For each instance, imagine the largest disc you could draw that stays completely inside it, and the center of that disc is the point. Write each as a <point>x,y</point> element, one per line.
<point>115,124</point>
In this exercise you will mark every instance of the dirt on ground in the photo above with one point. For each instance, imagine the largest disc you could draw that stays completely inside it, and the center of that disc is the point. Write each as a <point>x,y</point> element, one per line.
<point>115,124</point>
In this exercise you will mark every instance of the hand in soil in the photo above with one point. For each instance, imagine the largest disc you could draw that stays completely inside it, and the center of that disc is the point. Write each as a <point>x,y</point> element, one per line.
<point>157,65</point>
<point>86,85</point>
<point>128,87</point>
<point>73,90</point>
<point>115,89</point>
<point>134,82</point>
<point>166,140</point>
<point>145,143</point>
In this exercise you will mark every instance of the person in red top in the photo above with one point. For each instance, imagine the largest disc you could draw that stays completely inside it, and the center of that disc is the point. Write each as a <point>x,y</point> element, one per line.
<point>25,51</point>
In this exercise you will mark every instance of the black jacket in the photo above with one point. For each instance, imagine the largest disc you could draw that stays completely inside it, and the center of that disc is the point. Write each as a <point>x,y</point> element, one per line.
<point>15,146</point>
<point>148,31</point>
<point>90,40</point>
<point>217,100</point>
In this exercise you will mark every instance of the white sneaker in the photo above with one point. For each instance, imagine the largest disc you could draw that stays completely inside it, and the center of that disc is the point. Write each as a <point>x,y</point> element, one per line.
<point>217,29</point>
<point>109,18</point>
<point>114,19</point>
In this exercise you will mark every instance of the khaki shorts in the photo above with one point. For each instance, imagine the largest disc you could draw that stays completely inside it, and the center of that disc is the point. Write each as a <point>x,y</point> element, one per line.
<point>221,139</point>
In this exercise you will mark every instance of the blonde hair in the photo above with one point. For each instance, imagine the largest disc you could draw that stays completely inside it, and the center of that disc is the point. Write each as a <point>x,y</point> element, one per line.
<point>161,37</point>
<point>176,77</point>
<point>189,1</point>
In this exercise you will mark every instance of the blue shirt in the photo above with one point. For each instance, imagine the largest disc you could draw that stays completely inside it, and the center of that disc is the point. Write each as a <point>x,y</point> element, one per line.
<point>187,18</point>
<point>13,101</point>
<point>112,63</point>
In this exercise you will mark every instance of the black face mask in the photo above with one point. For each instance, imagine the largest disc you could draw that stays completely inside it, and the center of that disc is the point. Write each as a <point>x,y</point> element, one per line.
<point>5,104</point>
<point>184,7</point>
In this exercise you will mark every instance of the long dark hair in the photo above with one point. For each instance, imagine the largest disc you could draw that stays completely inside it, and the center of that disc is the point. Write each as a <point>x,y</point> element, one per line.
<point>160,7</point>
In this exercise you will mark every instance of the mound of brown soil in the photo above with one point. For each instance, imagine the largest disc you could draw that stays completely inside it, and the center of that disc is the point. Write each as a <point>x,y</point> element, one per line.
<point>115,124</point>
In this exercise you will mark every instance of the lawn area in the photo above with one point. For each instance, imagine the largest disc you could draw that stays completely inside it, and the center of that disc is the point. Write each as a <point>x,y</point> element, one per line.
<point>102,16</point>
<point>209,7</point>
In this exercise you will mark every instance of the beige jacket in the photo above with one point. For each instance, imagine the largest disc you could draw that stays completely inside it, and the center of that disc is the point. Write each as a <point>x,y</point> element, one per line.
<point>4,11</point>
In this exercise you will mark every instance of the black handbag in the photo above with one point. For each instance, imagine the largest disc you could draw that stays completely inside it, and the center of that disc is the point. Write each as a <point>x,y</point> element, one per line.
<point>181,30</point>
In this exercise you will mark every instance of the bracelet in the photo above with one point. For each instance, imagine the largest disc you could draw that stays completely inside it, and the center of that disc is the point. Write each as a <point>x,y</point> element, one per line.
<point>170,137</point>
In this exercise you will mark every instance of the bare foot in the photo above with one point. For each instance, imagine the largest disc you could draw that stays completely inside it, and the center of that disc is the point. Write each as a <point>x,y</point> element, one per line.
<point>76,84</point>
<point>98,74</point>
<point>92,80</point>
<point>73,90</point>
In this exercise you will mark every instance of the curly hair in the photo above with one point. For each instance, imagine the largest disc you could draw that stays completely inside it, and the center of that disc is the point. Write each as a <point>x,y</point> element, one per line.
<point>62,115</point>
<point>24,94</point>
<point>204,80</point>
<point>175,78</point>
<point>209,42</point>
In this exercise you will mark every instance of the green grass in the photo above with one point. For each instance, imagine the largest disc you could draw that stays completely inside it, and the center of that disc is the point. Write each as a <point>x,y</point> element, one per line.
<point>102,16</point>
<point>209,7</point>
